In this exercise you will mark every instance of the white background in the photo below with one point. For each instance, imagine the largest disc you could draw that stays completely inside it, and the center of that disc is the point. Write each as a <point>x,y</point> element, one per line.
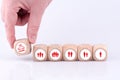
<point>68,21</point>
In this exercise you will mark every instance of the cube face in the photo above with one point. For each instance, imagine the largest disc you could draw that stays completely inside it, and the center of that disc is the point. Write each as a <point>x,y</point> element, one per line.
<point>70,52</point>
<point>85,52</point>
<point>22,47</point>
<point>99,52</point>
<point>40,52</point>
<point>55,52</point>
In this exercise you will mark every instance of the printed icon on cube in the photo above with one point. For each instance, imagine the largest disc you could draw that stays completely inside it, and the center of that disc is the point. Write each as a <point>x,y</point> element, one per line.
<point>85,52</point>
<point>40,52</point>
<point>99,52</point>
<point>22,47</point>
<point>70,52</point>
<point>55,52</point>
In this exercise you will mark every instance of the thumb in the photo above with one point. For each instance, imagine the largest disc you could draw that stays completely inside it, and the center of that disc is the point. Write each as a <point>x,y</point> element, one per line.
<point>10,21</point>
<point>37,9</point>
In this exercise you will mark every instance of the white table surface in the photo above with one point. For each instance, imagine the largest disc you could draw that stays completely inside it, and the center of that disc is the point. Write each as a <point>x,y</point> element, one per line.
<point>24,68</point>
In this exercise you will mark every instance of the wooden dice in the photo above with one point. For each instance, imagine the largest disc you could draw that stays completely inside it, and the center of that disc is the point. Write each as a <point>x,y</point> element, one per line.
<point>69,52</point>
<point>85,52</point>
<point>55,52</point>
<point>22,47</point>
<point>40,52</point>
<point>99,52</point>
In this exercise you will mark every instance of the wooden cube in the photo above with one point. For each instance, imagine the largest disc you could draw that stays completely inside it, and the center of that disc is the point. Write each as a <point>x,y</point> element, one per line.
<point>69,52</point>
<point>40,52</point>
<point>99,52</point>
<point>55,52</point>
<point>85,52</point>
<point>22,47</point>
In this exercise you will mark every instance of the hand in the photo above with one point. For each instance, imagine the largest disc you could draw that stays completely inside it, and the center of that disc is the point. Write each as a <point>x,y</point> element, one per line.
<point>20,12</point>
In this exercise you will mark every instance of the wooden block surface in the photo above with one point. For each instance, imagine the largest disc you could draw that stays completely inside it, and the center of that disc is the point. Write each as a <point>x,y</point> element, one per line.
<point>55,52</point>
<point>85,52</point>
<point>69,52</point>
<point>22,47</point>
<point>100,52</point>
<point>40,52</point>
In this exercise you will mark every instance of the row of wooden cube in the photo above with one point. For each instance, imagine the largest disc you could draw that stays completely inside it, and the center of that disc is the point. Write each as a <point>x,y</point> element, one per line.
<point>67,52</point>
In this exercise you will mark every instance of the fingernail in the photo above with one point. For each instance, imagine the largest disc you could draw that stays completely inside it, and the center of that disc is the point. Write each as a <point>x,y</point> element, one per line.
<point>12,45</point>
<point>11,42</point>
<point>33,39</point>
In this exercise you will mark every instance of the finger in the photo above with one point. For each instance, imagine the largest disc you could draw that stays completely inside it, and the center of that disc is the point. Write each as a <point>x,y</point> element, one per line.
<point>37,9</point>
<point>10,21</point>
<point>3,10</point>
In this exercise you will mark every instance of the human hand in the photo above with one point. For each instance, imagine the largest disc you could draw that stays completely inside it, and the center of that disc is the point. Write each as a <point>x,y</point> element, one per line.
<point>20,12</point>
